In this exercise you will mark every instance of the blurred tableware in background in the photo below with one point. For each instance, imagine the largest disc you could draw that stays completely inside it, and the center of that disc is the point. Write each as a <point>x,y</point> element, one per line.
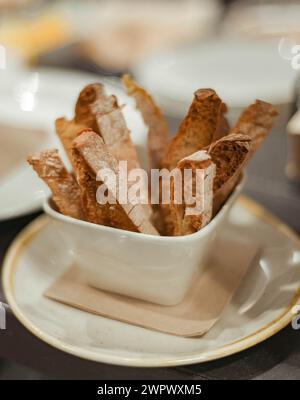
<point>8,5</point>
<point>293,162</point>
<point>34,27</point>
<point>127,31</point>
<point>263,19</point>
<point>16,143</point>
<point>239,70</point>
<point>113,34</point>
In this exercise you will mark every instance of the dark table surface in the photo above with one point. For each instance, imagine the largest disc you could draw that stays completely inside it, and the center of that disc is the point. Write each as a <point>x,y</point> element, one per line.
<point>276,358</point>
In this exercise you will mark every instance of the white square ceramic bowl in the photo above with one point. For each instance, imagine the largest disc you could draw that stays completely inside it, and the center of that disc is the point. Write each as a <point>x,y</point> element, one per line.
<point>152,268</point>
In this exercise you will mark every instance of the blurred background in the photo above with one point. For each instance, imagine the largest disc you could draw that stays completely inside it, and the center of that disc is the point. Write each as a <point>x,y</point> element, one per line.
<point>50,49</point>
<point>244,49</point>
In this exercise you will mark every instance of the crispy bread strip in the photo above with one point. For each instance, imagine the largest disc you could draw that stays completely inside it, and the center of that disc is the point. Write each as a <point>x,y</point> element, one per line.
<point>67,131</point>
<point>102,114</point>
<point>158,220</point>
<point>92,155</point>
<point>65,190</point>
<point>198,128</point>
<point>93,102</point>
<point>230,154</point>
<point>85,148</point>
<point>158,128</point>
<point>256,121</point>
<point>181,218</point>
<point>188,222</point>
<point>95,213</point>
<point>223,127</point>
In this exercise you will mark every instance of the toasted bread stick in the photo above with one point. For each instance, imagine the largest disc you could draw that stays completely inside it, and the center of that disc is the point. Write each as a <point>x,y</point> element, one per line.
<point>102,114</point>
<point>95,213</point>
<point>223,127</point>
<point>84,149</point>
<point>67,131</point>
<point>92,154</point>
<point>92,103</point>
<point>65,190</point>
<point>230,154</point>
<point>256,121</point>
<point>158,128</point>
<point>198,128</point>
<point>191,218</point>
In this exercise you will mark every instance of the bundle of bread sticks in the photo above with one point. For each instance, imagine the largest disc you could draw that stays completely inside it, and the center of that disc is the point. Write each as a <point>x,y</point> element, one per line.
<point>97,137</point>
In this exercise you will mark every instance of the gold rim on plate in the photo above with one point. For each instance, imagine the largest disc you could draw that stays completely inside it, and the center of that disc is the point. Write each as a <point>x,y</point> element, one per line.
<point>10,263</point>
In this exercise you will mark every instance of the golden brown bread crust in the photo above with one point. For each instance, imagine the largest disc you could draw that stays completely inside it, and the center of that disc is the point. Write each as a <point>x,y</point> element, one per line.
<point>93,101</point>
<point>86,152</point>
<point>93,155</point>
<point>95,213</point>
<point>223,127</point>
<point>158,128</point>
<point>198,128</point>
<point>67,131</point>
<point>233,151</point>
<point>90,154</point>
<point>157,220</point>
<point>256,121</point>
<point>102,114</point>
<point>65,190</point>
<point>186,223</point>
<point>229,154</point>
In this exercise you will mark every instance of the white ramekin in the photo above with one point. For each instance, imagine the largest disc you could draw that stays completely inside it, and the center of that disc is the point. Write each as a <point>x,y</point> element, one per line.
<point>152,268</point>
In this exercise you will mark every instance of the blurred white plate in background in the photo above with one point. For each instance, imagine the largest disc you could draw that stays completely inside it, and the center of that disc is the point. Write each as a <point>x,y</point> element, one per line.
<point>30,101</point>
<point>263,19</point>
<point>121,33</point>
<point>240,71</point>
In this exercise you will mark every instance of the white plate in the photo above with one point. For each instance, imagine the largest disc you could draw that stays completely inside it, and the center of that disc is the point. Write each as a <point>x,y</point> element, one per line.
<point>34,99</point>
<point>38,256</point>
<point>240,72</point>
